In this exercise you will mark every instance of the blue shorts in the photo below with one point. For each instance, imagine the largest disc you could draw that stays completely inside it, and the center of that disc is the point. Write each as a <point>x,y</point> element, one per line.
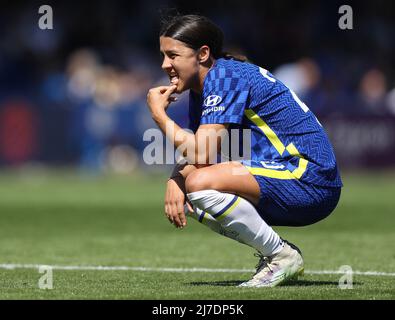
<point>293,202</point>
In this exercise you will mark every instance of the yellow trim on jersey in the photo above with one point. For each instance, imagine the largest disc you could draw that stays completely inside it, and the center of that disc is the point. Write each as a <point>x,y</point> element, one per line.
<point>276,142</point>
<point>292,150</point>
<point>269,133</point>
<point>232,207</point>
<point>282,175</point>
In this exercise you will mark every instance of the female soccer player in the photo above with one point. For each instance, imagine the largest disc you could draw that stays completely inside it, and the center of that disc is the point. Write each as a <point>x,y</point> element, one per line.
<point>291,176</point>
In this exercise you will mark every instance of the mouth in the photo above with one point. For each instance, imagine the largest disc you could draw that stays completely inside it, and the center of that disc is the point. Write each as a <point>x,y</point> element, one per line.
<point>173,79</point>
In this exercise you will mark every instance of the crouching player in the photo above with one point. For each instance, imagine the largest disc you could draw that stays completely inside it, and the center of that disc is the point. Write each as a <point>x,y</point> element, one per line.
<point>291,178</point>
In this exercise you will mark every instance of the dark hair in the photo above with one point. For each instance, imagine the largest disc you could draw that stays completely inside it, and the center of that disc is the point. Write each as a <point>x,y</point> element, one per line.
<point>196,31</point>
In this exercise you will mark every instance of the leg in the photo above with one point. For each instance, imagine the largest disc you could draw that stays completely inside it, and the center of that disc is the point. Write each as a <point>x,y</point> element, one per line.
<point>221,192</point>
<point>229,177</point>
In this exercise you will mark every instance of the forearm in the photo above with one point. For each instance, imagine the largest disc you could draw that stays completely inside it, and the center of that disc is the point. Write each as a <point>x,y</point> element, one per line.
<point>194,147</point>
<point>200,148</point>
<point>174,133</point>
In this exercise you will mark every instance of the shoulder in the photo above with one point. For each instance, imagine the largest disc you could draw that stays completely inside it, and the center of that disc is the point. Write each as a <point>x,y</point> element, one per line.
<point>226,75</point>
<point>224,68</point>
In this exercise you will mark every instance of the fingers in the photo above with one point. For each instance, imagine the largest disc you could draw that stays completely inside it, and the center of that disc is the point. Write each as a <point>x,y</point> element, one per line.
<point>171,90</point>
<point>175,213</point>
<point>175,216</point>
<point>174,205</point>
<point>168,215</point>
<point>167,206</point>
<point>189,207</point>
<point>181,213</point>
<point>160,97</point>
<point>161,89</point>
<point>167,93</point>
<point>164,91</point>
<point>167,90</point>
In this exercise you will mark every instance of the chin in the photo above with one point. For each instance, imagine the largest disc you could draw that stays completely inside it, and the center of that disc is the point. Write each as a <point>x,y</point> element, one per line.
<point>183,86</point>
<point>179,89</point>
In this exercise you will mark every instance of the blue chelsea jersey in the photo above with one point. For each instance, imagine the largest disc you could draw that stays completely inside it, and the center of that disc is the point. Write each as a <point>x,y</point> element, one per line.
<point>287,141</point>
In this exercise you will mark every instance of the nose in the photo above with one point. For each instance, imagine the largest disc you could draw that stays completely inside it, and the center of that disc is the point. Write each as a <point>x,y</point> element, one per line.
<point>166,63</point>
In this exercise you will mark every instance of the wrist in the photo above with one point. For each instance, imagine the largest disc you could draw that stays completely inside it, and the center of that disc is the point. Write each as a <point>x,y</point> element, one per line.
<point>158,115</point>
<point>176,176</point>
<point>179,180</point>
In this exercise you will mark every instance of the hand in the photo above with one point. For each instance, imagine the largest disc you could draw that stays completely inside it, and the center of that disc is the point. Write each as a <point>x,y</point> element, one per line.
<point>174,203</point>
<point>158,99</point>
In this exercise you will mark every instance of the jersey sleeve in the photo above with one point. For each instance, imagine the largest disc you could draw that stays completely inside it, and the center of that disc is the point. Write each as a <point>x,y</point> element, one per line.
<point>225,97</point>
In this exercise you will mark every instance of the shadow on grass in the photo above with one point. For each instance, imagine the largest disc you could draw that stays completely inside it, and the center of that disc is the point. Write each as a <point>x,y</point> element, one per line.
<point>307,283</point>
<point>231,283</point>
<point>297,283</point>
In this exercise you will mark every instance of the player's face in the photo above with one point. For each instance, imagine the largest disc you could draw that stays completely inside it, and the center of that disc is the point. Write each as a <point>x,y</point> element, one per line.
<point>180,63</point>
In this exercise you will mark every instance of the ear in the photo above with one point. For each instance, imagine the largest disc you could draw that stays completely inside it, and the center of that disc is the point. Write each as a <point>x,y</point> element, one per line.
<point>204,54</point>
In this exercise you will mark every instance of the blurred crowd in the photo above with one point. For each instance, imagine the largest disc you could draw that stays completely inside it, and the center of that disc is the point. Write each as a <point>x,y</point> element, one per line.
<point>76,94</point>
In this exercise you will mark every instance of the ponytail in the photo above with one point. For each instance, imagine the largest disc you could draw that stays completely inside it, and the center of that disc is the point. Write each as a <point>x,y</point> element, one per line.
<point>234,56</point>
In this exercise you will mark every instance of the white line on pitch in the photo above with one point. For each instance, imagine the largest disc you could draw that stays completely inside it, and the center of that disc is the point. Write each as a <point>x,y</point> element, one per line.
<point>127,268</point>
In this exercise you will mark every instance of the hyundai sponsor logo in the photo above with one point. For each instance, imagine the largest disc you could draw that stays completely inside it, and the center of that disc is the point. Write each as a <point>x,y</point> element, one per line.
<point>211,101</point>
<point>213,109</point>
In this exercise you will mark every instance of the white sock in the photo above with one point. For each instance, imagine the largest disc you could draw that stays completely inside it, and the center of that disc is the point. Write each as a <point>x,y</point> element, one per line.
<point>208,220</point>
<point>239,218</point>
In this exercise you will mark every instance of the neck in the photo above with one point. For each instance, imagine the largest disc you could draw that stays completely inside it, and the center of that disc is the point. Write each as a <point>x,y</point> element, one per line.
<point>204,69</point>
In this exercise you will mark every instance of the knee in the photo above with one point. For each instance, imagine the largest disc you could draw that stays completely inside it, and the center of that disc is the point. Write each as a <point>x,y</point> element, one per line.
<point>198,180</point>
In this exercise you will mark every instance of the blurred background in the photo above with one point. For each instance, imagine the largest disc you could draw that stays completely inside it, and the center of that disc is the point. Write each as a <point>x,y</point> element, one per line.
<point>74,96</point>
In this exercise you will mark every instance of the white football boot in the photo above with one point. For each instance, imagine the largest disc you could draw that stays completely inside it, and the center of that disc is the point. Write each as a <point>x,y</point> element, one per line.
<point>276,269</point>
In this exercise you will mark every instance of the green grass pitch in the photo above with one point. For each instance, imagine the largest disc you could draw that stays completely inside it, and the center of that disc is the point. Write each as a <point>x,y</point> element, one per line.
<point>67,219</point>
